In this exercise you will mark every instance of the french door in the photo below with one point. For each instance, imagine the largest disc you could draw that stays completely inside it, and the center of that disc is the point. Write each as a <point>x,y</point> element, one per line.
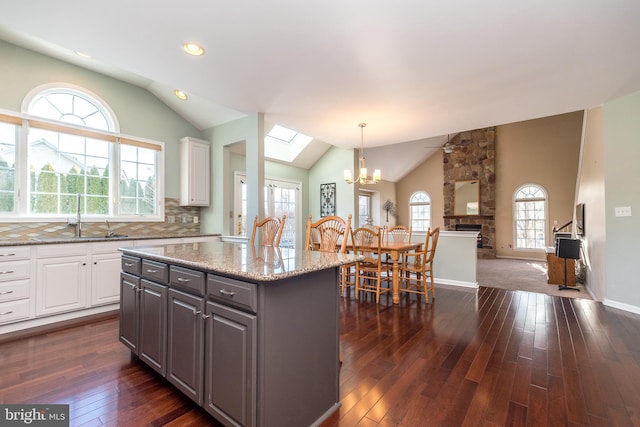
<point>281,197</point>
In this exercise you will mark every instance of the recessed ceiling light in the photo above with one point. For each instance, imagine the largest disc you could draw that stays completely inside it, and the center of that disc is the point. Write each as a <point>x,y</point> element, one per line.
<point>193,49</point>
<point>180,94</point>
<point>83,55</point>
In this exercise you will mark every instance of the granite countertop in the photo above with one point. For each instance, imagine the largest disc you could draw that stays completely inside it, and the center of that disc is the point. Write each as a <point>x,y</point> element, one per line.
<point>244,261</point>
<point>88,239</point>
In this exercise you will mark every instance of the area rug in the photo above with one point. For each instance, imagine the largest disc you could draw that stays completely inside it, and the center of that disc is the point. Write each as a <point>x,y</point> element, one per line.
<point>522,275</point>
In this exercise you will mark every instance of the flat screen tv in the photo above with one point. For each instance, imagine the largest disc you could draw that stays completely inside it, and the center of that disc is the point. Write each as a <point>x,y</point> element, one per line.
<point>580,219</point>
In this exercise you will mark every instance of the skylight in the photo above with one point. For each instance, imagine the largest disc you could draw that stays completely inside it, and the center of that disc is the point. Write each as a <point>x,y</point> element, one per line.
<point>281,133</point>
<point>284,144</point>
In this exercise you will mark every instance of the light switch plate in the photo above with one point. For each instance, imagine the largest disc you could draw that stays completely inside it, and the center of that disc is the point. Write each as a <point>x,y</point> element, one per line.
<point>623,211</point>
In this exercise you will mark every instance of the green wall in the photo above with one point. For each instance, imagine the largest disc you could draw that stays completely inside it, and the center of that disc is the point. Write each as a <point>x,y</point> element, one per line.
<point>138,112</point>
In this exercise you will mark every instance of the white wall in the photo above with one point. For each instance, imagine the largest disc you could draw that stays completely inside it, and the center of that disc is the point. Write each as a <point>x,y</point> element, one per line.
<point>590,191</point>
<point>622,181</point>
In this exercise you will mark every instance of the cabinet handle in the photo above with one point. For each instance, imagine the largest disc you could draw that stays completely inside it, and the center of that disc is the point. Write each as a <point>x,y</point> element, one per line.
<point>195,313</point>
<point>6,292</point>
<point>183,280</point>
<point>227,293</point>
<point>205,316</point>
<point>128,264</point>
<point>6,312</point>
<point>8,254</point>
<point>138,289</point>
<point>151,271</point>
<point>7,272</point>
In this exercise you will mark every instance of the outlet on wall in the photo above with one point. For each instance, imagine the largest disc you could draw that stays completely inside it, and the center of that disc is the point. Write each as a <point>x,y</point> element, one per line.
<point>171,219</point>
<point>623,211</point>
<point>196,219</point>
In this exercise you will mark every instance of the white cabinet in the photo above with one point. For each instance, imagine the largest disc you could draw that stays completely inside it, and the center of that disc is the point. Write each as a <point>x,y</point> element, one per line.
<point>62,278</point>
<point>106,263</point>
<point>15,283</point>
<point>195,172</point>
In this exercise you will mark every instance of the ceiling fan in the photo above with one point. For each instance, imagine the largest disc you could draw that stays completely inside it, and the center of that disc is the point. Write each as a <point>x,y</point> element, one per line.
<point>448,147</point>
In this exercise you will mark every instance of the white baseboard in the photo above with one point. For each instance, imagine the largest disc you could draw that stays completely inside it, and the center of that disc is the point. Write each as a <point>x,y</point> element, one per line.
<point>456,283</point>
<point>622,306</point>
<point>49,320</point>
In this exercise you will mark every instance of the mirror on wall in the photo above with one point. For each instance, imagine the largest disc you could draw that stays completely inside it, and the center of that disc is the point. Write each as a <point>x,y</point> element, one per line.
<point>466,197</point>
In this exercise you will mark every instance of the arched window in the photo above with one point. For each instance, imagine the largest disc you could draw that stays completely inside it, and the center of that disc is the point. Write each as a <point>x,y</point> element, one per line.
<point>73,106</point>
<point>530,213</point>
<point>73,148</point>
<point>420,211</point>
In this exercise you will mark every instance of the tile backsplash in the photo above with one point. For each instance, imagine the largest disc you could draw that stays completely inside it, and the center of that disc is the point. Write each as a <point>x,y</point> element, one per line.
<point>179,220</point>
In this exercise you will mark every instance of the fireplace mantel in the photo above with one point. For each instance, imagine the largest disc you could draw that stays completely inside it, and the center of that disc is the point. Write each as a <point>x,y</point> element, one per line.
<point>471,217</point>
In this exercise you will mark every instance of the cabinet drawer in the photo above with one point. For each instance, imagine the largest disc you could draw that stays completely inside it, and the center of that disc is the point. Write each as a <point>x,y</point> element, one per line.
<point>14,310</point>
<point>233,292</point>
<point>14,270</point>
<point>187,279</point>
<point>8,253</point>
<point>131,264</point>
<point>69,249</point>
<point>14,290</point>
<point>156,271</point>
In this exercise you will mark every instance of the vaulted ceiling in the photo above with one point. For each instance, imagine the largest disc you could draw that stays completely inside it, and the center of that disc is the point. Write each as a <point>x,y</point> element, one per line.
<point>415,70</point>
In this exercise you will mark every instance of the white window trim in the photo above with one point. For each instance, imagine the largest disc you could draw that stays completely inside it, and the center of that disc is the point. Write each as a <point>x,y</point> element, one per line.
<point>515,218</point>
<point>22,175</point>
<point>411,212</point>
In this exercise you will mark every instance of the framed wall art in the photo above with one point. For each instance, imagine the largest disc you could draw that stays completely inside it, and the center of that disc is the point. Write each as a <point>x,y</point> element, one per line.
<point>327,199</point>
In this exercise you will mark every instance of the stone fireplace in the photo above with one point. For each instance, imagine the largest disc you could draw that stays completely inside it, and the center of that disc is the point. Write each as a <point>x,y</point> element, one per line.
<point>469,156</point>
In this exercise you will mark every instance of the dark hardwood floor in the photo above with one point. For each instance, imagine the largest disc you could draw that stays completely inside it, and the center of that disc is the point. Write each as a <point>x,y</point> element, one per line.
<point>489,357</point>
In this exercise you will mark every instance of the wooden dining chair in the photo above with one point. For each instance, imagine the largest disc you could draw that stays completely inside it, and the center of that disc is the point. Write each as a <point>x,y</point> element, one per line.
<point>369,270</point>
<point>270,229</point>
<point>398,233</point>
<point>328,234</point>
<point>417,273</point>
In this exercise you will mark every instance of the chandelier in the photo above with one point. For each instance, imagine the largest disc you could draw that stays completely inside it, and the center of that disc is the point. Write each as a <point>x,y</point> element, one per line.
<point>362,178</point>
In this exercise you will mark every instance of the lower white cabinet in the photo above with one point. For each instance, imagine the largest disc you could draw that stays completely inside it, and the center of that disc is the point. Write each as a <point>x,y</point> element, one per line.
<point>105,273</point>
<point>15,284</point>
<point>61,284</point>
<point>40,281</point>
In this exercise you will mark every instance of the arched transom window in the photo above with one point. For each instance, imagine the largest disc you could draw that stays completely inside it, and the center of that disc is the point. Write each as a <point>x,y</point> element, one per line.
<point>530,213</point>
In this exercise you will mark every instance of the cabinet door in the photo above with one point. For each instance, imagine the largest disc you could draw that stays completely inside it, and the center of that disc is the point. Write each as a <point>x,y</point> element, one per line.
<point>194,172</point>
<point>129,311</point>
<point>153,325</point>
<point>185,349</point>
<point>230,377</point>
<point>105,278</point>
<point>61,284</point>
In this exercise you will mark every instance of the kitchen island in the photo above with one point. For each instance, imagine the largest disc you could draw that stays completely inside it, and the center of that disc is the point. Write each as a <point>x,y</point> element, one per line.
<point>251,334</point>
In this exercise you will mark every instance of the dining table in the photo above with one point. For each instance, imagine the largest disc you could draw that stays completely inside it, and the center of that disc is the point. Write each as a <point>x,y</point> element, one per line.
<point>396,250</point>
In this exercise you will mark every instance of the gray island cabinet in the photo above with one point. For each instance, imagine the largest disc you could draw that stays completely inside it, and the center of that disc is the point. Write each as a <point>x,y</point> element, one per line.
<point>250,334</point>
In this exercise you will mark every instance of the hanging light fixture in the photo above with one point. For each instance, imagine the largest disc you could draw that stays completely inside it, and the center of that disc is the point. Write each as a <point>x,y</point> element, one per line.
<point>362,178</point>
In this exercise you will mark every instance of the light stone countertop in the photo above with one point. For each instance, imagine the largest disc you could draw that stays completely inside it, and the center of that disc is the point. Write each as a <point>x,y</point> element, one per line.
<point>260,264</point>
<point>89,239</point>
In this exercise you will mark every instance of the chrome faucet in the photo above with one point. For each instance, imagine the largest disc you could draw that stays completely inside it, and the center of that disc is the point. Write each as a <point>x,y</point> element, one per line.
<point>78,219</point>
<point>109,231</point>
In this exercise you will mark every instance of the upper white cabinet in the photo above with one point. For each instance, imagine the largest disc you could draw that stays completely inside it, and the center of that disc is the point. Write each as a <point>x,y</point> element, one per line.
<point>195,172</point>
